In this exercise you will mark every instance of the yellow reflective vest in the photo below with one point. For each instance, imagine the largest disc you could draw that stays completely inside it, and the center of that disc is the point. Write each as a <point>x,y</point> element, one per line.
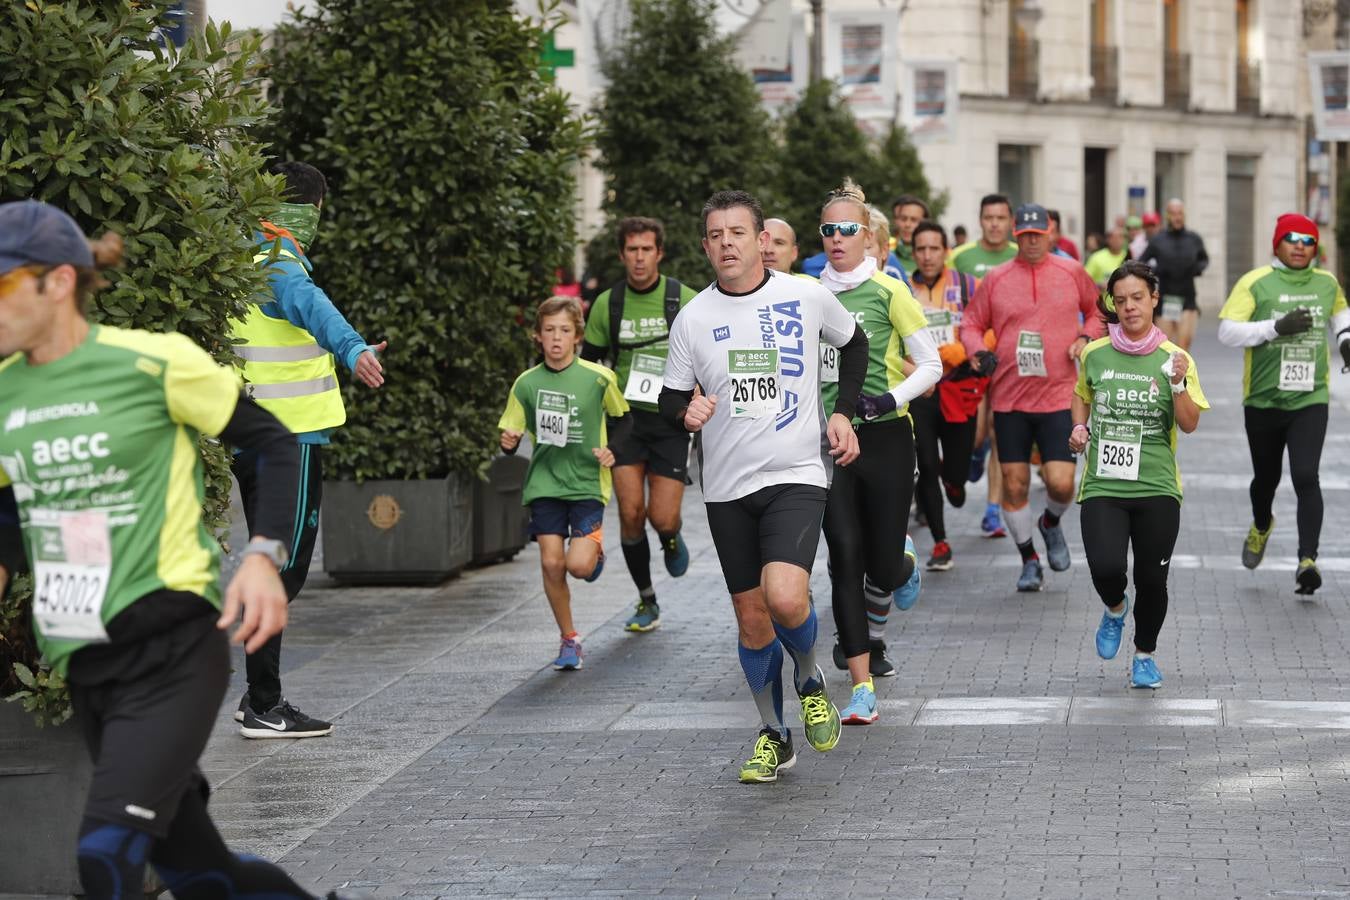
<point>286,371</point>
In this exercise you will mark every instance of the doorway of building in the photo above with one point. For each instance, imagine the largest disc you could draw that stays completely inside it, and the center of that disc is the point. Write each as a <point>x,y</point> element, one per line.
<point>1241,218</point>
<point>1094,191</point>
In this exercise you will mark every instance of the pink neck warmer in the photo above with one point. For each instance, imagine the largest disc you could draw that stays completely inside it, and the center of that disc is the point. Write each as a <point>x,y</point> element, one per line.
<point>1142,347</point>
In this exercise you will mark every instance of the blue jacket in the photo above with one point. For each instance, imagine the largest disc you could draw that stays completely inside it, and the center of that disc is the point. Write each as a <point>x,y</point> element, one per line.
<point>298,300</point>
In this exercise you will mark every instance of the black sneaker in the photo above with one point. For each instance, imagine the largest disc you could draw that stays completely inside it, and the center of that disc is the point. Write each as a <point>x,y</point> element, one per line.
<point>878,663</point>
<point>243,706</point>
<point>283,721</point>
<point>840,661</point>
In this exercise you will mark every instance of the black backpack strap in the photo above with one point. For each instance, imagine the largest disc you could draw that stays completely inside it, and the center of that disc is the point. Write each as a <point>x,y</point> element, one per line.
<point>672,301</point>
<point>616,295</point>
<point>965,289</point>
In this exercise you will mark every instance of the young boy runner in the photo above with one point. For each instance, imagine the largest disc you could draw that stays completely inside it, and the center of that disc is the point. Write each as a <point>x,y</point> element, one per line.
<point>562,403</point>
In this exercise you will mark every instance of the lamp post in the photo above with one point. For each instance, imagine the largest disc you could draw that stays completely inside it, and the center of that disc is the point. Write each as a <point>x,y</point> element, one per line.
<point>817,67</point>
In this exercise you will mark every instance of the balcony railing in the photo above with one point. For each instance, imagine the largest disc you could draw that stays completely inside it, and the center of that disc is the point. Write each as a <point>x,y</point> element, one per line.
<point>1105,69</point>
<point>1023,66</point>
<point>1177,80</point>
<point>1249,87</point>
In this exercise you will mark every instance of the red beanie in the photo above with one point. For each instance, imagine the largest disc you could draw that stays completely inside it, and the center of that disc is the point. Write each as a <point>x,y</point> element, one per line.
<point>1293,222</point>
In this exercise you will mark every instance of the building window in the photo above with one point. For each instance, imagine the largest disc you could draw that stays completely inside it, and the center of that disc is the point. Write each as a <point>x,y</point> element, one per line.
<point>1176,61</point>
<point>1169,179</point>
<point>1248,74</point>
<point>1016,172</point>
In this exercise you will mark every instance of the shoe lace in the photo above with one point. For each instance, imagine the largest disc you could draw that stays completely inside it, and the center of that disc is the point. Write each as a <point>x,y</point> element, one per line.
<point>859,696</point>
<point>766,753</point>
<point>815,709</point>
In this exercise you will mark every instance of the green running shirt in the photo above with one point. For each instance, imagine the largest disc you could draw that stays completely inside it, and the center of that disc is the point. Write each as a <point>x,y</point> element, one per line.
<point>972,259</point>
<point>888,313</point>
<point>101,448</point>
<point>644,320</point>
<point>1132,452</point>
<point>564,414</point>
<point>1289,372</point>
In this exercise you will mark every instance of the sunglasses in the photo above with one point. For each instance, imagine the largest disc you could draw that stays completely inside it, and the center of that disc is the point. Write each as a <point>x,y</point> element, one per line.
<point>1306,240</point>
<point>847,229</point>
<point>11,279</point>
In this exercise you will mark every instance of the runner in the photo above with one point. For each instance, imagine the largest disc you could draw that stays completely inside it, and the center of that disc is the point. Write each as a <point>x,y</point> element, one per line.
<point>94,416</point>
<point>1131,487</point>
<point>879,246</point>
<point>1103,262</point>
<point>288,344</point>
<point>1179,256</point>
<point>1280,314</point>
<point>782,250</point>
<point>629,325</point>
<point>1060,244</point>
<point>978,258</point>
<point>869,502</point>
<point>752,341</point>
<point>562,403</point>
<point>1034,305</point>
<point>908,211</point>
<point>947,419</point>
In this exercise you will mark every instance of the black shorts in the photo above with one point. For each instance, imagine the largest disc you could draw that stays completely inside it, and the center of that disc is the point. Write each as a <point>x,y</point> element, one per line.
<point>654,441</point>
<point>567,518</point>
<point>780,523</point>
<point>1187,303</point>
<point>1016,432</point>
<point>146,732</point>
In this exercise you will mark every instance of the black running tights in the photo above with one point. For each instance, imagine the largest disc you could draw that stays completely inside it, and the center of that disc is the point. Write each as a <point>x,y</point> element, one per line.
<point>952,465</point>
<point>865,520</point>
<point>1150,524</point>
<point>1303,431</point>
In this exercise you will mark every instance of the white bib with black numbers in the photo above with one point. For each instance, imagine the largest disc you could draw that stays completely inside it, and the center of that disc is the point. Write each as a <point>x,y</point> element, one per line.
<point>1030,355</point>
<point>1298,367</point>
<point>1119,447</point>
<point>552,418</point>
<point>754,383</point>
<point>645,378</point>
<point>829,364</point>
<point>70,572</point>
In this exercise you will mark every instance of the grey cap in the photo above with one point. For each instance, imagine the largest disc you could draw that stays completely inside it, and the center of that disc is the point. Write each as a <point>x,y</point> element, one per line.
<point>37,233</point>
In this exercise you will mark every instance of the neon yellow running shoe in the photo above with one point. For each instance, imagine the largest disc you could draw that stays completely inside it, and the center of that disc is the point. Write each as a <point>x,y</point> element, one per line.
<point>820,717</point>
<point>771,756</point>
<point>1254,548</point>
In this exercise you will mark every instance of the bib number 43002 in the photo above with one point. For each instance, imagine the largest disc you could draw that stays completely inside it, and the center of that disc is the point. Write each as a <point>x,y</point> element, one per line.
<point>754,383</point>
<point>70,573</point>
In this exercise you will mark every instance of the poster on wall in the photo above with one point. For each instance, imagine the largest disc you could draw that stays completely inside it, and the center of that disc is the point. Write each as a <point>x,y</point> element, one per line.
<point>860,53</point>
<point>1329,78</point>
<point>929,98</point>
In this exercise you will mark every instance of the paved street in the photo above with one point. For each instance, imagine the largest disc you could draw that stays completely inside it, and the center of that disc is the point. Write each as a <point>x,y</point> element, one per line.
<point>1009,760</point>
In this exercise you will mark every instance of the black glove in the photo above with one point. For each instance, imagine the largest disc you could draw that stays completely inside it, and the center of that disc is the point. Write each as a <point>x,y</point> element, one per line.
<point>1345,354</point>
<point>1296,321</point>
<point>985,363</point>
<point>870,408</point>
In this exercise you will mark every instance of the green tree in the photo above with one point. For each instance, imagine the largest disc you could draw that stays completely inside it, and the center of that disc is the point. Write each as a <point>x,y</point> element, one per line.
<point>823,144</point>
<point>451,168</point>
<point>98,119</point>
<point>679,120</point>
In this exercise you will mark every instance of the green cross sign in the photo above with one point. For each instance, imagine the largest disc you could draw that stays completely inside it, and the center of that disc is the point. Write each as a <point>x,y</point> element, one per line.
<point>552,59</point>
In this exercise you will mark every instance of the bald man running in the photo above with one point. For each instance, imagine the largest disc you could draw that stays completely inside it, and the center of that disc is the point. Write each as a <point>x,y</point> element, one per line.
<point>781,251</point>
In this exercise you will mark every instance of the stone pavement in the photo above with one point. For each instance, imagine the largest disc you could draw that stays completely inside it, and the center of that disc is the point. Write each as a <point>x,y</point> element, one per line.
<point>1009,760</point>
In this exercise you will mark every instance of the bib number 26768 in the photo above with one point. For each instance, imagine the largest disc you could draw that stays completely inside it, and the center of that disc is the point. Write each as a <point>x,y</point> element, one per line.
<point>754,383</point>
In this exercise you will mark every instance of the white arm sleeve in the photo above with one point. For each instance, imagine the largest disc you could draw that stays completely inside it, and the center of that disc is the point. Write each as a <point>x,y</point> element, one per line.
<point>1339,323</point>
<point>923,351</point>
<point>679,375</point>
<point>1246,334</point>
<point>836,323</point>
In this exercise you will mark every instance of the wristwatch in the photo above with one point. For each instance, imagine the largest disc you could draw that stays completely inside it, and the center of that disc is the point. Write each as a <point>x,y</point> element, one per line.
<point>274,550</point>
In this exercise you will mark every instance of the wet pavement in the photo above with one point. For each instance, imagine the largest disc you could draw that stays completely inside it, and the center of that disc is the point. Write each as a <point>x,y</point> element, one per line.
<point>1009,761</point>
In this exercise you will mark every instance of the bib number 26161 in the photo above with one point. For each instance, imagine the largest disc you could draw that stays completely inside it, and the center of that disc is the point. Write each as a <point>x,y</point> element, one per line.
<point>1030,355</point>
<point>754,383</point>
<point>70,573</point>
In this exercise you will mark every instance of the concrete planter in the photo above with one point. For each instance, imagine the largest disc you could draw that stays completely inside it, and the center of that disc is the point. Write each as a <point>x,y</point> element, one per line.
<point>44,778</point>
<point>397,532</point>
<point>499,521</point>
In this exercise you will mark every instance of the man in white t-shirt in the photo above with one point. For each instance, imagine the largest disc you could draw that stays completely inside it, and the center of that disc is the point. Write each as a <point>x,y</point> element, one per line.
<point>751,342</point>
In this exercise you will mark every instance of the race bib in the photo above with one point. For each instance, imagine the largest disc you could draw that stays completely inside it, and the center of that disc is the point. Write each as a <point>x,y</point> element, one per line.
<point>1119,445</point>
<point>1298,366</point>
<point>829,364</point>
<point>70,573</point>
<point>1172,305</point>
<point>1030,355</point>
<point>941,326</point>
<point>754,383</point>
<point>645,378</point>
<point>552,418</point>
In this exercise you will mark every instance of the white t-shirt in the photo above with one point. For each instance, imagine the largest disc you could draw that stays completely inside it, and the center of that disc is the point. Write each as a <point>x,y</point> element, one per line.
<point>759,355</point>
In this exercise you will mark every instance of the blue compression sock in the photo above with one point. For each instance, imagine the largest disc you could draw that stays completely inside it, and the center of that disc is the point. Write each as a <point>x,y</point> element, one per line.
<point>800,643</point>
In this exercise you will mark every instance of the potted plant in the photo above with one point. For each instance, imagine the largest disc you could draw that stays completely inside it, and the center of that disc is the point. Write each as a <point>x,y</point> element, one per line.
<point>450,163</point>
<point>153,143</point>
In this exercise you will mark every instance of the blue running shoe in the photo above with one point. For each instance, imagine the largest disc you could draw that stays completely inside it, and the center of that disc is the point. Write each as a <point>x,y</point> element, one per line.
<point>1056,546</point>
<point>992,524</point>
<point>862,707</point>
<point>907,594</point>
<point>1032,577</point>
<point>647,617</point>
<point>1144,674</point>
<point>599,567</point>
<point>569,655</point>
<point>977,462</point>
<point>1108,632</point>
<point>676,554</point>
